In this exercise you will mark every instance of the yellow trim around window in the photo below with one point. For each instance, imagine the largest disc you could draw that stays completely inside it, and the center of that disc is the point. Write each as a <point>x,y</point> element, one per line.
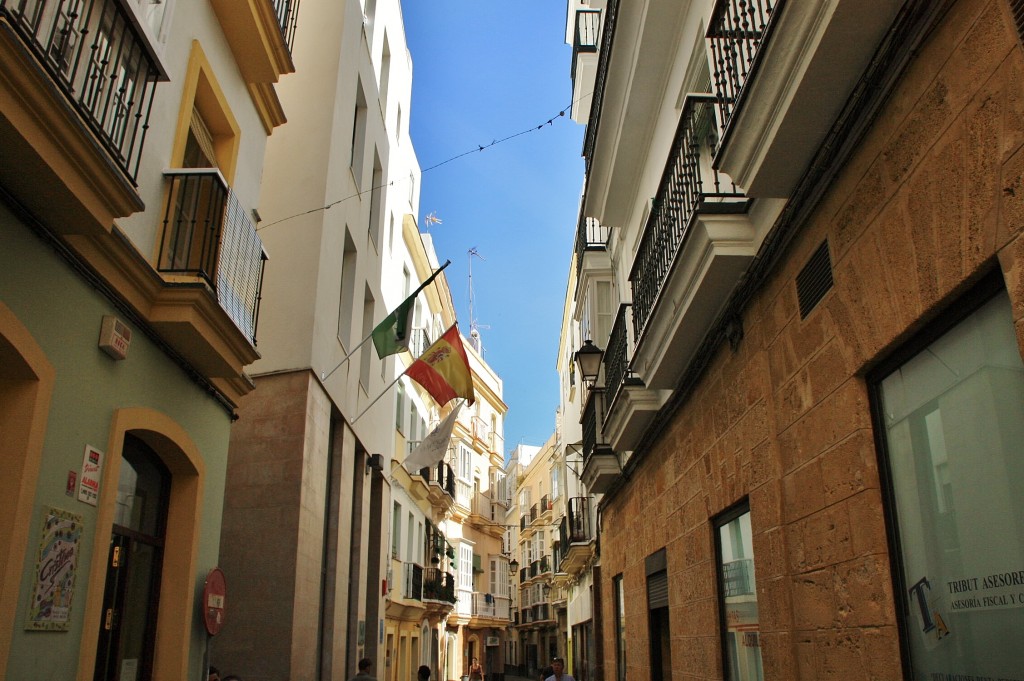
<point>203,92</point>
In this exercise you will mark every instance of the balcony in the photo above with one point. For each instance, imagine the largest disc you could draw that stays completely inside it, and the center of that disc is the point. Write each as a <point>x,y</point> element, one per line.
<point>534,514</point>
<point>438,591</point>
<point>543,613</point>
<point>591,247</point>
<point>496,443</point>
<point>207,234</point>
<point>441,485</point>
<point>490,606</point>
<point>782,72</point>
<point>575,536</point>
<point>600,464</point>
<point>695,247</point>
<point>586,34</point>
<point>75,96</point>
<point>261,35</point>
<point>480,430</point>
<point>544,566</point>
<point>545,507</point>
<point>600,80</point>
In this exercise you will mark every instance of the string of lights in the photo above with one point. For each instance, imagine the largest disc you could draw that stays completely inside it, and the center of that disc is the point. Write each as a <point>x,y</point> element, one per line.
<point>479,148</point>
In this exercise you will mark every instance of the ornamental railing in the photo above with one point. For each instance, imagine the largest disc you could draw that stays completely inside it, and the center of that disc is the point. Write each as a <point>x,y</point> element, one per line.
<point>287,12</point>
<point>586,35</point>
<point>591,235</point>
<point>617,355</point>
<point>577,525</point>
<point>736,33</point>
<point>438,585</point>
<point>603,60</point>
<point>593,422</point>
<point>686,183</point>
<point>738,577</point>
<point>441,475</point>
<point>96,57</point>
<point>208,233</point>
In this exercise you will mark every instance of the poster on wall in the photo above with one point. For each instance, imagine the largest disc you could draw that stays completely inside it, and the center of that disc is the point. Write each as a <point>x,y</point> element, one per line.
<point>54,587</point>
<point>89,484</point>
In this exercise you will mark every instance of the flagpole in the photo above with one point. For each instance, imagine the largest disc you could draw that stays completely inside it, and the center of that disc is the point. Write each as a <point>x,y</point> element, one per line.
<point>325,376</point>
<point>375,399</point>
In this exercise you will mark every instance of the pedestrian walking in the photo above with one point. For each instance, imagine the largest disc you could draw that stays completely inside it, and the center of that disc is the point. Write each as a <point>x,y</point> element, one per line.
<point>476,671</point>
<point>558,673</point>
<point>364,671</point>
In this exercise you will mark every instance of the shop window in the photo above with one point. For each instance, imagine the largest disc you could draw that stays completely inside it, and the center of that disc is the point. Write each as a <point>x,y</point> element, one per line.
<point>949,415</point>
<point>737,597</point>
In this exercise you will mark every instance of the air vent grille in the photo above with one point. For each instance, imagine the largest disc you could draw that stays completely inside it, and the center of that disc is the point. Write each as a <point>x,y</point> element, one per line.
<point>814,280</point>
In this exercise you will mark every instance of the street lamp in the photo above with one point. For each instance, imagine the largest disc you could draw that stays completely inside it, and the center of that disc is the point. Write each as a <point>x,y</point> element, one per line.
<point>513,566</point>
<point>588,359</point>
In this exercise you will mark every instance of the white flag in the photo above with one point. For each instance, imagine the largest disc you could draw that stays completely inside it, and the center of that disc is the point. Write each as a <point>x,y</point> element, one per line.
<point>432,448</point>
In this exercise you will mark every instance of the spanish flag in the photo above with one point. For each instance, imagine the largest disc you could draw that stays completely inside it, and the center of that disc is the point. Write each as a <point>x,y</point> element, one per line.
<point>443,370</point>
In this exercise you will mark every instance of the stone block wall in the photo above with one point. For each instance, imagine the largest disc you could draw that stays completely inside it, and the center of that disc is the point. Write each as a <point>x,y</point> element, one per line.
<point>932,200</point>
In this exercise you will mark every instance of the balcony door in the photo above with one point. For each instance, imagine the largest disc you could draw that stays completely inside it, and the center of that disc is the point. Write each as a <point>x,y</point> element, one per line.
<point>197,202</point>
<point>130,596</point>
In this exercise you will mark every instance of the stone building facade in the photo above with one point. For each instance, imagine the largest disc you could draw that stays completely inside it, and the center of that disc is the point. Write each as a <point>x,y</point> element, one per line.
<point>826,490</point>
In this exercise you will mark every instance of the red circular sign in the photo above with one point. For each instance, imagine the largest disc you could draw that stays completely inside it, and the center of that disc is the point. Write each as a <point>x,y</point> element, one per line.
<point>214,594</point>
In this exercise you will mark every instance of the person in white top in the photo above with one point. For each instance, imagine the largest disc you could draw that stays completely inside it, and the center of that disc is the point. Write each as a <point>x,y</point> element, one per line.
<point>558,665</point>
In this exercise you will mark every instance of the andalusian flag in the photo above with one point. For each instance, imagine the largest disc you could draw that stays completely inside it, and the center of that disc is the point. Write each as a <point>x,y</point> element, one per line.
<point>443,370</point>
<point>394,333</point>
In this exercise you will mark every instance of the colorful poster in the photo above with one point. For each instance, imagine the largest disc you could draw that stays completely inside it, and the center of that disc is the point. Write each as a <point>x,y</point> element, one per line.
<point>92,466</point>
<point>50,606</point>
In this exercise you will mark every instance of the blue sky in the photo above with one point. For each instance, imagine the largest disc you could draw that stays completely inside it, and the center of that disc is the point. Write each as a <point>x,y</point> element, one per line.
<point>483,71</point>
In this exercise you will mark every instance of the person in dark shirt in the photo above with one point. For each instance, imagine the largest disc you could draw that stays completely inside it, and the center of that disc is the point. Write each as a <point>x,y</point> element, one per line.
<point>364,671</point>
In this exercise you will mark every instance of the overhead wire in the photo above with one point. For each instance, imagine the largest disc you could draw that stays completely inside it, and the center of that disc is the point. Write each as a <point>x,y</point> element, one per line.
<point>391,183</point>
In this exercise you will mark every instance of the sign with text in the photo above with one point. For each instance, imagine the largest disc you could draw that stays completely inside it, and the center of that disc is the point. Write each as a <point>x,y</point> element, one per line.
<point>89,484</point>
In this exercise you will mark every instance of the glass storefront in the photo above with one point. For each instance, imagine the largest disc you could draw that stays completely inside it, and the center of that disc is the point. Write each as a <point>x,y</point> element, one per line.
<point>738,598</point>
<point>952,419</point>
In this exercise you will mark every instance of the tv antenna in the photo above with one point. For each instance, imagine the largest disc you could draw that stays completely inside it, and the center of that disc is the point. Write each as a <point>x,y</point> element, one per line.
<point>474,328</point>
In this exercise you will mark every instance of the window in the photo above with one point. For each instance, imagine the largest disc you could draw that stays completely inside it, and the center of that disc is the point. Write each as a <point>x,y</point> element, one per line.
<point>466,567</point>
<point>347,290</point>
<point>400,409</point>
<point>358,136</point>
<point>410,537</point>
<point>950,414</point>
<point>737,596</point>
<point>385,76</point>
<point>396,529</point>
<point>367,351</point>
<point>555,473</point>
<point>620,628</point>
<point>465,462</point>
<point>376,197</point>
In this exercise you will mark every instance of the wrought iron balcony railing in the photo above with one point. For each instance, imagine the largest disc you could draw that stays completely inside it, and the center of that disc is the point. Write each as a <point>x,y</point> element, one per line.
<point>442,475</point>
<point>287,12</point>
<point>522,523</point>
<point>591,235</point>
<point>545,504</point>
<point>587,33</point>
<point>97,59</point>
<point>577,521</point>
<point>736,32</point>
<point>603,59</point>
<point>681,193</point>
<point>207,233</point>
<point>438,585</point>
<point>616,357</point>
<point>544,565</point>
<point>534,514</point>
<point>593,422</point>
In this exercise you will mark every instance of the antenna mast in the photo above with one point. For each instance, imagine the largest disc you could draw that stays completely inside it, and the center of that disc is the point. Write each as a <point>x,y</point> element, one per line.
<point>474,332</point>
